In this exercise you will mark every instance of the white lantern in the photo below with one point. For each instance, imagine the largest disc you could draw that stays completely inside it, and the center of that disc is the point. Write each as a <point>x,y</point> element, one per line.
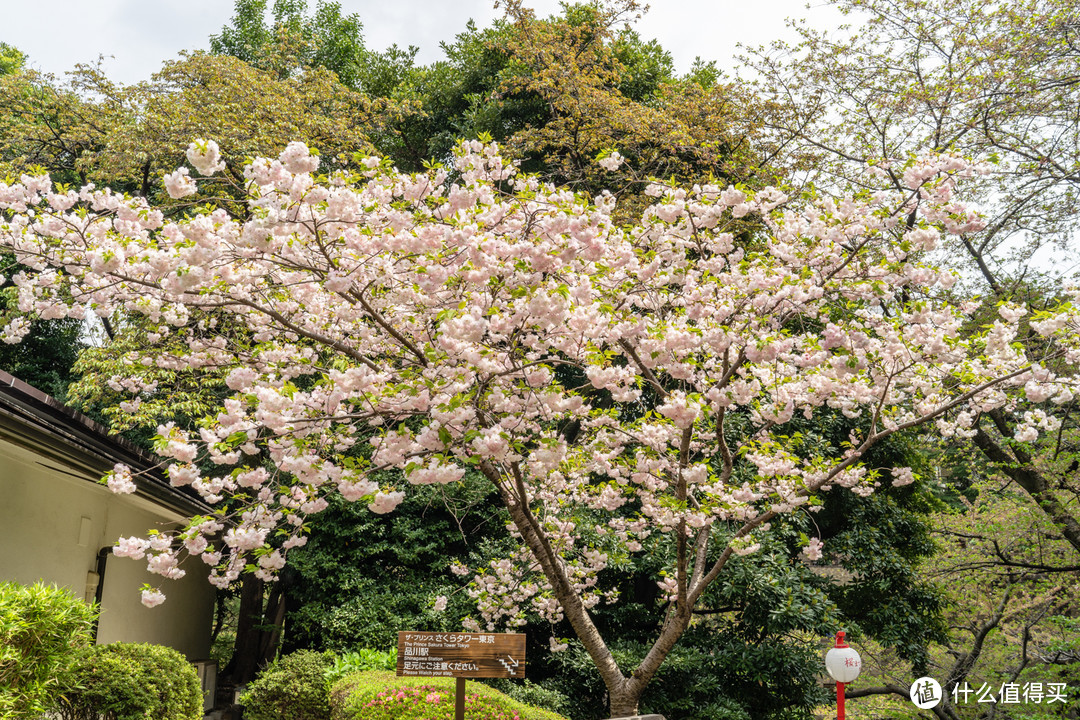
<point>843,663</point>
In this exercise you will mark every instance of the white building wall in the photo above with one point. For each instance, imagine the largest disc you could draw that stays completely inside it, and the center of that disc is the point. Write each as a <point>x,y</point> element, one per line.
<point>53,521</point>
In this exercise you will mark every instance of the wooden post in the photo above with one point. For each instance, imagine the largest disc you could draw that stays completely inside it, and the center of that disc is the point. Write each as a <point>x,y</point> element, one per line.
<point>459,700</point>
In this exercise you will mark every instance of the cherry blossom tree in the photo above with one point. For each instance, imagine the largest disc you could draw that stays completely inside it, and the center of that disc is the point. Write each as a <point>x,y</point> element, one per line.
<point>623,388</point>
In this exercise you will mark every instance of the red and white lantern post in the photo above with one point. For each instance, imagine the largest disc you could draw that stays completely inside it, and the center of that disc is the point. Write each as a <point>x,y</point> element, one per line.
<point>843,664</point>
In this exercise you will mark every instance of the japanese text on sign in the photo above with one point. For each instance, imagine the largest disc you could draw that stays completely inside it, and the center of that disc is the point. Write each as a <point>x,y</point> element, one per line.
<point>430,654</point>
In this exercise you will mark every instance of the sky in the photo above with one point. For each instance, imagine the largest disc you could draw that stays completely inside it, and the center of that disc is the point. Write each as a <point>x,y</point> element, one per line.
<point>136,36</point>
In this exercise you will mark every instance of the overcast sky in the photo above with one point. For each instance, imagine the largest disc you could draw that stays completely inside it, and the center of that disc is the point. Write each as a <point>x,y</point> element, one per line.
<point>140,34</point>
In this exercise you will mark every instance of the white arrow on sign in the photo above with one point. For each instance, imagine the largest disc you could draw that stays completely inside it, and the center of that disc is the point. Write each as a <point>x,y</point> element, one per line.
<point>506,664</point>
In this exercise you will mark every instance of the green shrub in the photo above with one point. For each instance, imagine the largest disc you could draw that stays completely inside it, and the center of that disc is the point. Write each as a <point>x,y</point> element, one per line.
<point>379,695</point>
<point>294,687</point>
<point>133,681</point>
<point>535,694</point>
<point>360,660</point>
<point>42,630</point>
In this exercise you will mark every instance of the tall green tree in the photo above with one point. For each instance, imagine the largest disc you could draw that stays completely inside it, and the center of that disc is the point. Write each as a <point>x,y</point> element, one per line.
<point>291,39</point>
<point>560,91</point>
<point>46,357</point>
<point>93,130</point>
<point>557,92</point>
<point>12,59</point>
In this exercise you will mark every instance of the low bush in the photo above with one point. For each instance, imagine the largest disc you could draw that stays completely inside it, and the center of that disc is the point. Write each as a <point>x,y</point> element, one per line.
<point>535,694</point>
<point>133,681</point>
<point>294,687</point>
<point>359,660</point>
<point>42,631</point>
<point>380,695</point>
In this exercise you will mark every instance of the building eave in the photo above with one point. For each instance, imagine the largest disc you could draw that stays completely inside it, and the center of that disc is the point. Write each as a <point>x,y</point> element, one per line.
<point>39,422</point>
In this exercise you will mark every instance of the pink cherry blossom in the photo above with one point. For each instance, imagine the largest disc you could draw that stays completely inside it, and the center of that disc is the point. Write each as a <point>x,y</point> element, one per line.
<point>205,156</point>
<point>179,184</point>
<point>612,162</point>
<point>152,598</point>
<point>902,476</point>
<point>119,480</point>
<point>812,551</point>
<point>131,547</point>
<point>555,646</point>
<point>385,502</point>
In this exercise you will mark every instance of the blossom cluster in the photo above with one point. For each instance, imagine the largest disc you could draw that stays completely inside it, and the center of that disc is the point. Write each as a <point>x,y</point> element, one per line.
<point>494,313</point>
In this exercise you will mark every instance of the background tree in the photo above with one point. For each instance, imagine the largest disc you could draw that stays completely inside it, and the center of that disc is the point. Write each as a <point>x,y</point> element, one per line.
<point>561,91</point>
<point>130,136</point>
<point>294,40</point>
<point>46,357</point>
<point>991,81</point>
<point>12,60</point>
<point>1000,83</point>
<point>606,88</point>
<point>557,91</point>
<point>1010,584</point>
<point>362,577</point>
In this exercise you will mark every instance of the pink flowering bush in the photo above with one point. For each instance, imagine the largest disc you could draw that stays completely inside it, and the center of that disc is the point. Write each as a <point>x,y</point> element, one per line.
<point>618,386</point>
<point>382,696</point>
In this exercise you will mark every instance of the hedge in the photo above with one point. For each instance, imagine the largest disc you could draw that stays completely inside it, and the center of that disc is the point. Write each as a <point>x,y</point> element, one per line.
<point>133,681</point>
<point>294,687</point>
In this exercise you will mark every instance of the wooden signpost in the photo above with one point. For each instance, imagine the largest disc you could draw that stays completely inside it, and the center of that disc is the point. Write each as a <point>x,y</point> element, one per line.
<point>461,655</point>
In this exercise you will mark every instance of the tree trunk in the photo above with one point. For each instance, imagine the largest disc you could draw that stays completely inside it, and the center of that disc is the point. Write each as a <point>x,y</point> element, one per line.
<point>623,692</point>
<point>245,660</point>
<point>219,615</point>
<point>274,621</point>
<point>623,703</point>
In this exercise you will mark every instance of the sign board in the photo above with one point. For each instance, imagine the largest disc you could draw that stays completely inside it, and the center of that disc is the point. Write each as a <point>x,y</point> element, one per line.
<point>461,655</point>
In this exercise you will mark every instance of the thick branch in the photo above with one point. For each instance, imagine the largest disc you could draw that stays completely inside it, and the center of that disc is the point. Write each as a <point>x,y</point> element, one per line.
<point>646,372</point>
<point>966,661</point>
<point>381,322</point>
<point>1033,482</point>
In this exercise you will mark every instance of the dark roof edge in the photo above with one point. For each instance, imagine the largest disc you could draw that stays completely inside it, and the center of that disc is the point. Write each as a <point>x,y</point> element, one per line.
<point>89,438</point>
